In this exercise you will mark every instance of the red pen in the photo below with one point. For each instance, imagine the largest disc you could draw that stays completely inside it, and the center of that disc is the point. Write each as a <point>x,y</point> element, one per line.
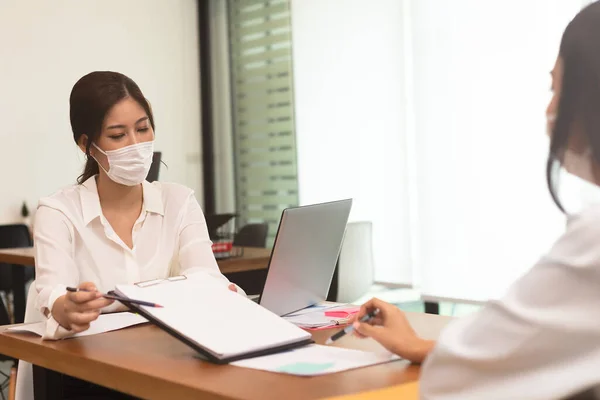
<point>118,298</point>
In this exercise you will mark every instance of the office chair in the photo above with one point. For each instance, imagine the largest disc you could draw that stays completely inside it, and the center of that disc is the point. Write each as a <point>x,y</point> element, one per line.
<point>154,167</point>
<point>12,236</point>
<point>216,225</point>
<point>355,264</point>
<point>252,235</point>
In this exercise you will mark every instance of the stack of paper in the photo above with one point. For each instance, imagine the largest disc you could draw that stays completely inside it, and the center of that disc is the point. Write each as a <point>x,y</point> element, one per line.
<point>323,316</point>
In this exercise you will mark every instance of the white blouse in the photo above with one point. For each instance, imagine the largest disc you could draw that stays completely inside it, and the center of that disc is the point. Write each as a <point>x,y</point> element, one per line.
<point>74,243</point>
<point>540,341</point>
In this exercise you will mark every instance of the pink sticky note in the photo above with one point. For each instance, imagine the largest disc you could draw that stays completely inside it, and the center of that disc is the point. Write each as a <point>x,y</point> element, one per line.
<point>342,312</point>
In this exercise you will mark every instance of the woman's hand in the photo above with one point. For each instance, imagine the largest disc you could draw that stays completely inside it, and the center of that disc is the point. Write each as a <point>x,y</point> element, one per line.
<point>392,330</point>
<point>76,310</point>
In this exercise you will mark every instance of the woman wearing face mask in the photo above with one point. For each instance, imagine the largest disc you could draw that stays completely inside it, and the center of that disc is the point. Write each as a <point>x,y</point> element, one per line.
<point>113,227</point>
<point>542,339</point>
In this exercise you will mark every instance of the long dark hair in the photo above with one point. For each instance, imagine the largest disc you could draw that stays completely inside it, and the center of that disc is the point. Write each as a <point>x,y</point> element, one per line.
<point>579,102</point>
<point>91,99</point>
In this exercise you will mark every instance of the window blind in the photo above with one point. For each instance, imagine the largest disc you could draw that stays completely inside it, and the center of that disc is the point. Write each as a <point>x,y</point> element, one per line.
<point>263,110</point>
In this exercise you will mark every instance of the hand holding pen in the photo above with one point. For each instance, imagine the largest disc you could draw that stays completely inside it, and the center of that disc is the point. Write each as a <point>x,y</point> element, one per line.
<point>350,328</point>
<point>388,325</point>
<point>76,310</point>
<point>112,296</point>
<point>79,307</point>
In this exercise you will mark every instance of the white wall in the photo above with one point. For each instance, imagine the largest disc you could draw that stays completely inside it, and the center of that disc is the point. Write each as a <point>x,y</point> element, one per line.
<point>349,71</point>
<point>46,46</point>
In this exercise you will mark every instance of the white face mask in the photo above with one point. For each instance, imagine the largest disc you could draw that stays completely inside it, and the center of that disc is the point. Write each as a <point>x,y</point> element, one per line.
<point>129,165</point>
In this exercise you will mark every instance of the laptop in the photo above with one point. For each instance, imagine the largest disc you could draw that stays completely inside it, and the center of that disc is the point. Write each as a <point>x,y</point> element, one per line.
<point>305,252</point>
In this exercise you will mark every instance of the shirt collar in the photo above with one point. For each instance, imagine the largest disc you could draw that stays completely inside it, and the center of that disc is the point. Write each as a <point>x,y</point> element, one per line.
<point>90,202</point>
<point>153,198</point>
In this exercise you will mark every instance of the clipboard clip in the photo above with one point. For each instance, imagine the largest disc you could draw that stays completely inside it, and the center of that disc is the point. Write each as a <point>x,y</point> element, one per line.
<point>153,282</point>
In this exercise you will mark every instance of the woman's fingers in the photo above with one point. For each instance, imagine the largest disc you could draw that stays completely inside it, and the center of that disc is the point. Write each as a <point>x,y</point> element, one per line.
<point>83,307</point>
<point>92,305</point>
<point>84,318</point>
<point>88,286</point>
<point>372,305</point>
<point>79,328</point>
<point>358,334</point>
<point>375,321</point>
<point>82,297</point>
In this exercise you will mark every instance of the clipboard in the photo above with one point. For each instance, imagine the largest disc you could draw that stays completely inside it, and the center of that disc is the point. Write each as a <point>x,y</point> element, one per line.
<point>250,309</point>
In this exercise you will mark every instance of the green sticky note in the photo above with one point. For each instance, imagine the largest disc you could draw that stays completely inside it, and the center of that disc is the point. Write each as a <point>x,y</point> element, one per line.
<point>303,368</point>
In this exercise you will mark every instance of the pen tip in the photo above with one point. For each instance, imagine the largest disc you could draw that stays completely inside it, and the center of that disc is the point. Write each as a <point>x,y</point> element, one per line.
<point>158,306</point>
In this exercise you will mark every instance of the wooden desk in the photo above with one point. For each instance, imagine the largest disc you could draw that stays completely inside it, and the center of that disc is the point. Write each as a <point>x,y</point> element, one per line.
<point>146,362</point>
<point>252,259</point>
<point>22,256</point>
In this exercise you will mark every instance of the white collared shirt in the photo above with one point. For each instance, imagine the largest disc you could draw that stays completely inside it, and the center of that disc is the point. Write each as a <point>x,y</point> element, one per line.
<point>540,341</point>
<point>74,243</point>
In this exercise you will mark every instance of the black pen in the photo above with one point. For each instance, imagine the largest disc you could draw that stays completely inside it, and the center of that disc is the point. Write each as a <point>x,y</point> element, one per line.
<point>118,298</point>
<point>350,328</point>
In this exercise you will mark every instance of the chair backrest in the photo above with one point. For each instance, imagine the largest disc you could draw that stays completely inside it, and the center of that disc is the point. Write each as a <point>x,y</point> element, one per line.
<point>11,236</point>
<point>217,225</point>
<point>355,265</point>
<point>154,167</point>
<point>252,235</point>
<point>16,235</point>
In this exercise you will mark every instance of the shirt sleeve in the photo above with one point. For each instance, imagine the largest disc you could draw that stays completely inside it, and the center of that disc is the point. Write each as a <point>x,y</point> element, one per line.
<point>195,247</point>
<point>55,267</point>
<point>540,341</point>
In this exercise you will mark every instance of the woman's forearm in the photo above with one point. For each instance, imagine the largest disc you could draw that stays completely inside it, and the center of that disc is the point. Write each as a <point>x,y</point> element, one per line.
<point>421,350</point>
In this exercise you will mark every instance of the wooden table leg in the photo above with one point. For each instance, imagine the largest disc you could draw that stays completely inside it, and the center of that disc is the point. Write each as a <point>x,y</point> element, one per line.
<point>12,384</point>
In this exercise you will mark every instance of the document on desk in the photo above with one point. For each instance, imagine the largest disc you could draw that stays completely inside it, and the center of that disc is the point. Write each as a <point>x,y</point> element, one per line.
<point>323,316</point>
<point>316,360</point>
<point>221,325</point>
<point>104,323</point>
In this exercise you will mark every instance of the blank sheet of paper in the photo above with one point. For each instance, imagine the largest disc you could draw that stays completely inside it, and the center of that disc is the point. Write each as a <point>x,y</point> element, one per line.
<point>104,323</point>
<point>316,360</point>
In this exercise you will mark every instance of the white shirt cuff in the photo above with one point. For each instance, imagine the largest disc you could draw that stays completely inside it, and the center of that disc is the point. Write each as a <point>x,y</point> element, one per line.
<point>46,301</point>
<point>54,331</point>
